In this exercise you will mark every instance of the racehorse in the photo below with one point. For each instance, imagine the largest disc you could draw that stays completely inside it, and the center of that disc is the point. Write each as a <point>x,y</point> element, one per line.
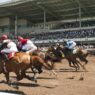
<point>80,54</point>
<point>20,63</point>
<point>72,58</point>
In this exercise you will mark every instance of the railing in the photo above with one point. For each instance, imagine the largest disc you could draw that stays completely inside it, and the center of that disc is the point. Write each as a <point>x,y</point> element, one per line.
<point>61,40</point>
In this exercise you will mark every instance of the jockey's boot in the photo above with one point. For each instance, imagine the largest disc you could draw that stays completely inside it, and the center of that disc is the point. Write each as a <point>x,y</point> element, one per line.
<point>5,56</point>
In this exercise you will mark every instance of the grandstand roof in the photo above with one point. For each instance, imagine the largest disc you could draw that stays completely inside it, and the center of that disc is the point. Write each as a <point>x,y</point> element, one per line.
<point>55,9</point>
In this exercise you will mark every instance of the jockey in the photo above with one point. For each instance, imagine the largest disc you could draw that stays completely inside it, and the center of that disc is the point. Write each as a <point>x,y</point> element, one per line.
<point>8,46</point>
<point>26,45</point>
<point>71,45</point>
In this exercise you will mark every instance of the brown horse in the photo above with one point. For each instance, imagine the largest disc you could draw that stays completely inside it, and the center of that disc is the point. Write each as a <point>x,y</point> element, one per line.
<point>20,63</point>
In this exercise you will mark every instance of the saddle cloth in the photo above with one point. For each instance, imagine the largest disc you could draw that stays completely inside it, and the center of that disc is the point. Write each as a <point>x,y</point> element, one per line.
<point>10,55</point>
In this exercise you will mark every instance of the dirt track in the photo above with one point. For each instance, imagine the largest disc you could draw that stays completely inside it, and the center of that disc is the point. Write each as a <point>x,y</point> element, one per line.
<point>63,85</point>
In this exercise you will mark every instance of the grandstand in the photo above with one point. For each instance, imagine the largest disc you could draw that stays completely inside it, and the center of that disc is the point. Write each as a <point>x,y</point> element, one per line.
<point>49,21</point>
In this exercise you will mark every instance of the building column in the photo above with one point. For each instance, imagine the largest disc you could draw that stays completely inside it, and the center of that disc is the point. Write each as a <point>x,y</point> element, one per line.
<point>16,27</point>
<point>44,20</point>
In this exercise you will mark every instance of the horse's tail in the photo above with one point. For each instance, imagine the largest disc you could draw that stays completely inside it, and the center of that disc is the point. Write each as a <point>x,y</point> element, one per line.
<point>38,61</point>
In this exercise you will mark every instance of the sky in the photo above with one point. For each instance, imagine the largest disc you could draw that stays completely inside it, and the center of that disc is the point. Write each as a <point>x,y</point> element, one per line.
<point>2,1</point>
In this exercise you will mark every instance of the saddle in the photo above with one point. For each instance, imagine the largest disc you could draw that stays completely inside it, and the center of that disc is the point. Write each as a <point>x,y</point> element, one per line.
<point>70,52</point>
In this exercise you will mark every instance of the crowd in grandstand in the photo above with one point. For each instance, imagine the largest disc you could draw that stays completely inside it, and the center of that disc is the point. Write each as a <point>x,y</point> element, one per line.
<point>63,34</point>
<point>74,24</point>
<point>83,33</point>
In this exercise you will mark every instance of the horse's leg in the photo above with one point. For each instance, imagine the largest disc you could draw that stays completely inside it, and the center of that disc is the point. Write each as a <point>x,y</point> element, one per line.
<point>53,71</point>
<point>83,66</point>
<point>7,77</point>
<point>74,66</point>
<point>35,71</point>
<point>52,64</point>
<point>76,63</point>
<point>83,58</point>
<point>55,74</point>
<point>23,74</point>
<point>18,78</point>
<point>10,82</point>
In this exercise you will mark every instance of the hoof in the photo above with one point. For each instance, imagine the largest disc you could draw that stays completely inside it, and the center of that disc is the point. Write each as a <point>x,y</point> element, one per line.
<point>16,87</point>
<point>71,77</point>
<point>81,78</point>
<point>35,81</point>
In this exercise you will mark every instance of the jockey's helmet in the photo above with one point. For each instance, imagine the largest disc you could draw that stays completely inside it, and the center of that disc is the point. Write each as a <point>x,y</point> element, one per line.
<point>20,38</point>
<point>4,37</point>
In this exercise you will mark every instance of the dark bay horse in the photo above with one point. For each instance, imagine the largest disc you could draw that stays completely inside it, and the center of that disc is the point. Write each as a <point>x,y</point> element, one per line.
<point>80,54</point>
<point>71,58</point>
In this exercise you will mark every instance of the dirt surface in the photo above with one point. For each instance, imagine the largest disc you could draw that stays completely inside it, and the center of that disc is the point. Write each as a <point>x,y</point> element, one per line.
<point>67,83</point>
